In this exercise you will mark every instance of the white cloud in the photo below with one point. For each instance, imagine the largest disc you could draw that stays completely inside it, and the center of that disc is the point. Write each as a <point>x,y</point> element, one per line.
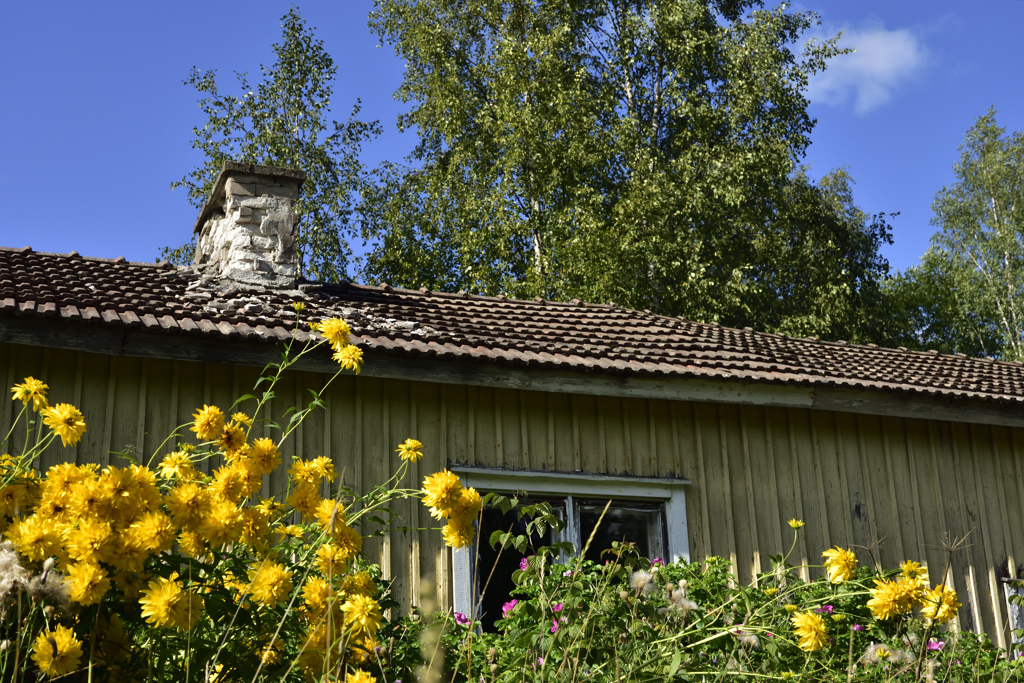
<point>883,60</point>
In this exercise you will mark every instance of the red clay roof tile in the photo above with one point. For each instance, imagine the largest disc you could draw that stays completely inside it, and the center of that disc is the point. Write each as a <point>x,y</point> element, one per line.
<point>527,334</point>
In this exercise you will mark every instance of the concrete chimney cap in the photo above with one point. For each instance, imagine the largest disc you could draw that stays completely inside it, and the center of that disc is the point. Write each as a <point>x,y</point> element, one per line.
<point>233,167</point>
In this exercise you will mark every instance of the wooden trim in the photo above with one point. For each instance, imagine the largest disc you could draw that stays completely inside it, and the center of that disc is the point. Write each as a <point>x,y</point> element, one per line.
<point>112,340</point>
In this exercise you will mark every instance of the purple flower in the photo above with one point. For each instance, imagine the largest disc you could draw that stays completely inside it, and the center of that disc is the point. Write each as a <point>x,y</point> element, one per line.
<point>936,644</point>
<point>524,564</point>
<point>567,572</point>
<point>508,607</point>
<point>554,625</point>
<point>825,609</point>
<point>858,627</point>
<point>657,562</point>
<point>461,618</point>
<point>769,634</point>
<point>558,607</point>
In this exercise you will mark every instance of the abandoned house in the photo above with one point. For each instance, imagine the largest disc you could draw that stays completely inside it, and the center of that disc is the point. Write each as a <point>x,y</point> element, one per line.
<point>707,439</point>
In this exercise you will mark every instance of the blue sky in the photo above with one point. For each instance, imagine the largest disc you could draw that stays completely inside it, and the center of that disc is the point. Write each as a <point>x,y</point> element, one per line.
<point>96,123</point>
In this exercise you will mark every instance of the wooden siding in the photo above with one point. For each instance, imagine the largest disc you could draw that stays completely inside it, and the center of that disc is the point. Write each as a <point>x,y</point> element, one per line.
<point>890,487</point>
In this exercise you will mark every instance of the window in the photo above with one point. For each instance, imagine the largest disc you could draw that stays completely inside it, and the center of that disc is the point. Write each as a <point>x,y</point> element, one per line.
<point>646,511</point>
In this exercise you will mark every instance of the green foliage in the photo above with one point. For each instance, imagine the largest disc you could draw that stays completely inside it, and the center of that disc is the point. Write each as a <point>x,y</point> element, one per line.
<point>636,152</point>
<point>631,619</point>
<point>965,296</point>
<point>281,121</point>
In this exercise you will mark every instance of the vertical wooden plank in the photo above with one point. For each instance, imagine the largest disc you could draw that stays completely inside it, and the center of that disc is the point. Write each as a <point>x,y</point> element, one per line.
<point>893,498</point>
<point>994,586</point>
<point>550,463</point>
<point>577,460</point>
<point>702,485</point>
<point>653,461</point>
<point>751,506</point>
<point>974,597</point>
<point>869,498</point>
<point>499,431</point>
<point>773,510</point>
<point>585,410</point>
<point>627,439</point>
<point>524,429</point>
<point>472,400</point>
<point>798,498</point>
<point>999,446</point>
<point>730,522</point>
<point>819,478</point>
<point>140,430</point>
<point>844,481</point>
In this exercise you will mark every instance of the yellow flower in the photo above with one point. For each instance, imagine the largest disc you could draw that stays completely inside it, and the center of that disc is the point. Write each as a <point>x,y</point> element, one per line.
<point>458,532</point>
<point>840,564</point>
<point>57,652</point>
<point>256,529</point>
<point>940,604</point>
<point>322,467</point>
<point>222,524</point>
<point>810,629</point>
<point>362,615</point>
<point>156,529</point>
<point>913,571</point>
<point>35,537</point>
<point>30,390</point>
<point>228,482</point>
<point>443,491</point>
<point>305,498</point>
<point>349,540</point>
<point>790,608</point>
<point>177,465</point>
<point>359,677</point>
<point>411,450</point>
<point>469,506</point>
<point>331,560</point>
<point>270,583</point>
<point>889,598</point>
<point>89,500</point>
<point>265,455</point>
<point>90,542</point>
<point>330,513</point>
<point>192,544</point>
<point>786,675</point>
<point>882,653</point>
<point>771,590</point>
<point>209,423</point>
<point>166,604</point>
<point>66,421</point>
<point>231,439</point>
<point>242,418</point>
<point>349,358</point>
<point>359,584</point>
<point>189,503</point>
<point>334,330</point>
<point>145,488</point>
<point>316,593</point>
<point>88,583</point>
<point>298,306</point>
<point>290,531</point>
<point>796,523</point>
<point>272,653</point>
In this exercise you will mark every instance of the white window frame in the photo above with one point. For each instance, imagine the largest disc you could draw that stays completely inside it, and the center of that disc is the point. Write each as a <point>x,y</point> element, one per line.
<point>670,492</point>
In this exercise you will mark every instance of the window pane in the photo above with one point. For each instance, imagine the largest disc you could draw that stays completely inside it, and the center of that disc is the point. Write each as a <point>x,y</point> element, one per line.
<point>501,584</point>
<point>636,523</point>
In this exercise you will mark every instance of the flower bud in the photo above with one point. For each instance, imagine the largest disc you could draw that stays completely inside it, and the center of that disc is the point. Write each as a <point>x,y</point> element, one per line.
<point>494,668</point>
<point>623,594</point>
<point>491,654</point>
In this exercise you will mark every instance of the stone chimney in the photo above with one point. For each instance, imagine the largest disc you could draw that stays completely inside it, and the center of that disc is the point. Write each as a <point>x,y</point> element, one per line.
<point>247,229</point>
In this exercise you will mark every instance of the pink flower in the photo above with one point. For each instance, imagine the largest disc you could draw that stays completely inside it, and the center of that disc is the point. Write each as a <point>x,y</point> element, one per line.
<point>554,625</point>
<point>825,609</point>
<point>508,607</point>
<point>558,607</point>
<point>657,561</point>
<point>524,564</point>
<point>934,644</point>
<point>567,572</point>
<point>461,618</point>
<point>858,627</point>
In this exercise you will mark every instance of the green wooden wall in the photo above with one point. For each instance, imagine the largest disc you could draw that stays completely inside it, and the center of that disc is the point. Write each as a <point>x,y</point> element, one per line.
<point>891,487</point>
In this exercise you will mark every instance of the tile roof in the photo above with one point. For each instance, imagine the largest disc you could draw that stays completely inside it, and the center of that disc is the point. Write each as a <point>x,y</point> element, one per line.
<point>528,334</point>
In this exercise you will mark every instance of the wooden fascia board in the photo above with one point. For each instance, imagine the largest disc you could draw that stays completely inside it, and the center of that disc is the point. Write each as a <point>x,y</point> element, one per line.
<point>108,339</point>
